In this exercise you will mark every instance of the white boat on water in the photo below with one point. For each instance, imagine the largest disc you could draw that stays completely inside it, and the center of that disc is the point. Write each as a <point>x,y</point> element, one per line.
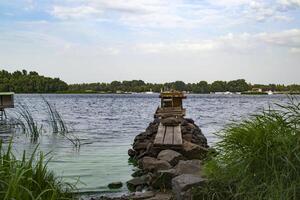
<point>149,92</point>
<point>270,92</point>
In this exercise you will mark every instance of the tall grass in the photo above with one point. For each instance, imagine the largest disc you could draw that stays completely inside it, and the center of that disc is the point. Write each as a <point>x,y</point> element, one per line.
<point>27,123</point>
<point>58,124</point>
<point>29,178</point>
<point>258,158</point>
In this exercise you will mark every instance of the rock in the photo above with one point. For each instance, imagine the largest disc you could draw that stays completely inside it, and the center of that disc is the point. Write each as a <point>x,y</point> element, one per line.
<point>193,151</point>
<point>188,167</point>
<point>142,195</point>
<point>162,196</point>
<point>170,156</point>
<point>184,182</point>
<point>138,173</point>
<point>141,136</point>
<point>153,164</point>
<point>141,145</point>
<point>189,120</point>
<point>131,152</point>
<point>163,179</point>
<point>135,182</point>
<point>115,185</point>
<point>170,121</point>
<point>187,137</point>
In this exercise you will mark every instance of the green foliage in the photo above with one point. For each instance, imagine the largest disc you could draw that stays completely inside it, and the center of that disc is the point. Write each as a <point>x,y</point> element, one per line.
<point>218,86</point>
<point>258,158</point>
<point>32,82</point>
<point>29,179</point>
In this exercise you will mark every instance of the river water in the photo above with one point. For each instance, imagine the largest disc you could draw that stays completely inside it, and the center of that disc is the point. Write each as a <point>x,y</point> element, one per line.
<point>107,124</point>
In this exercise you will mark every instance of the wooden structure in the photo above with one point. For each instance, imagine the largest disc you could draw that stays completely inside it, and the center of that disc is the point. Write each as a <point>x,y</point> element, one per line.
<point>6,101</point>
<point>169,136</point>
<point>171,105</point>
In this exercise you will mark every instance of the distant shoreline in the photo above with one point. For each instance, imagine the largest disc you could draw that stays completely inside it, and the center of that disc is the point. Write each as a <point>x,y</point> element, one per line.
<point>249,93</point>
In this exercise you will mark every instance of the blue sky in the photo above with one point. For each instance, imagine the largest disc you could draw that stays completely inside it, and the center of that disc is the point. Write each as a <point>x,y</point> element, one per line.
<point>153,40</point>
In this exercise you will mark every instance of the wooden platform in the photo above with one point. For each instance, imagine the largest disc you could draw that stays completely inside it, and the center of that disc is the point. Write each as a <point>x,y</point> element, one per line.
<point>170,112</point>
<point>168,136</point>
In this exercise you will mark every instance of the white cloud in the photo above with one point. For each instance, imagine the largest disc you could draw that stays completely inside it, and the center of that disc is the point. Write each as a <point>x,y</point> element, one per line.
<point>78,12</point>
<point>295,50</point>
<point>231,42</point>
<point>290,3</point>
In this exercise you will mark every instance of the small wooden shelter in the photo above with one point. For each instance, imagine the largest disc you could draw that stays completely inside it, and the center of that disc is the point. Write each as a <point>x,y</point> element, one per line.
<point>171,105</point>
<point>171,109</point>
<point>6,101</point>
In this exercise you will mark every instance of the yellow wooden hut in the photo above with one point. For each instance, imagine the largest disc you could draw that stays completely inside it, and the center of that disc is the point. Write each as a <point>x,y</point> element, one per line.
<point>171,104</point>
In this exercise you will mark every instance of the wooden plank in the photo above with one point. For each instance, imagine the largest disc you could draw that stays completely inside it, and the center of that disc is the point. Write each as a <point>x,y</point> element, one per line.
<point>159,138</point>
<point>169,135</point>
<point>177,135</point>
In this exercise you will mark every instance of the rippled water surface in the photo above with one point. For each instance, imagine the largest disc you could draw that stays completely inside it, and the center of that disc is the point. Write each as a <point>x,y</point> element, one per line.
<point>107,125</point>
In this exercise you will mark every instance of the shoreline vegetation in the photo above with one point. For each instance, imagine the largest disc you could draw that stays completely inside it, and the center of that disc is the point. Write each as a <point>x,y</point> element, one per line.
<point>258,158</point>
<point>29,178</point>
<point>32,82</point>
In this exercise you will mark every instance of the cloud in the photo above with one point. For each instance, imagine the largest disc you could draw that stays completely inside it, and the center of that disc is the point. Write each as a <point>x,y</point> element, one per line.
<point>78,12</point>
<point>231,42</point>
<point>290,3</point>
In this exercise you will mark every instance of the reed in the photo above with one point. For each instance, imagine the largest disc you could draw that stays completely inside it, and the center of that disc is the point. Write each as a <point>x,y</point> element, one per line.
<point>27,123</point>
<point>258,158</point>
<point>58,124</point>
<point>29,178</point>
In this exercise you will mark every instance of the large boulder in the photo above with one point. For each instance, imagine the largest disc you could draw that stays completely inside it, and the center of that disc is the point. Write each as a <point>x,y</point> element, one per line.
<point>193,151</point>
<point>170,156</point>
<point>163,179</point>
<point>188,167</point>
<point>136,182</point>
<point>182,183</point>
<point>153,164</point>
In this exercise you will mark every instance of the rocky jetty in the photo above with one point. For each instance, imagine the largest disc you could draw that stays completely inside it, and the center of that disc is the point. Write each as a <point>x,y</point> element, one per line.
<point>175,170</point>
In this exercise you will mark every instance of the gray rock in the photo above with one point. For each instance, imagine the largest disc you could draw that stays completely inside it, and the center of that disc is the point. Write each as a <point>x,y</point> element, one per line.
<point>183,183</point>
<point>163,179</point>
<point>142,195</point>
<point>131,152</point>
<point>153,164</point>
<point>188,167</point>
<point>115,185</point>
<point>135,182</point>
<point>141,145</point>
<point>138,173</point>
<point>193,151</point>
<point>170,156</point>
<point>162,196</point>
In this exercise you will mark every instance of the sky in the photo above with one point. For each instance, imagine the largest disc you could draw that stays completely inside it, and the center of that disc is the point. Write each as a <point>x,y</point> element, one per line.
<point>153,40</point>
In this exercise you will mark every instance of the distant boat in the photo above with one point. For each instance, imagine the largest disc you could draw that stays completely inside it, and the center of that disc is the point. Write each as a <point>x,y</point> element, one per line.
<point>270,92</point>
<point>149,92</point>
<point>227,92</point>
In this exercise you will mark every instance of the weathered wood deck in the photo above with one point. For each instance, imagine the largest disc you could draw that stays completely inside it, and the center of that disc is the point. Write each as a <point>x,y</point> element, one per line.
<point>170,112</point>
<point>168,136</point>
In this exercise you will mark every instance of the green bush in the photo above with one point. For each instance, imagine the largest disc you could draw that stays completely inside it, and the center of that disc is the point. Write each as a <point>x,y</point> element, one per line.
<point>29,178</point>
<point>258,158</point>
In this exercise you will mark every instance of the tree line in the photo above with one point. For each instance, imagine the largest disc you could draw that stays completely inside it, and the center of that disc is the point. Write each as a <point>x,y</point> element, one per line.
<point>32,82</point>
<point>29,82</point>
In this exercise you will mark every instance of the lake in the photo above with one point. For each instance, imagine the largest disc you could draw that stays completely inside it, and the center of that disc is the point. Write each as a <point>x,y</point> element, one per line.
<point>107,124</point>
